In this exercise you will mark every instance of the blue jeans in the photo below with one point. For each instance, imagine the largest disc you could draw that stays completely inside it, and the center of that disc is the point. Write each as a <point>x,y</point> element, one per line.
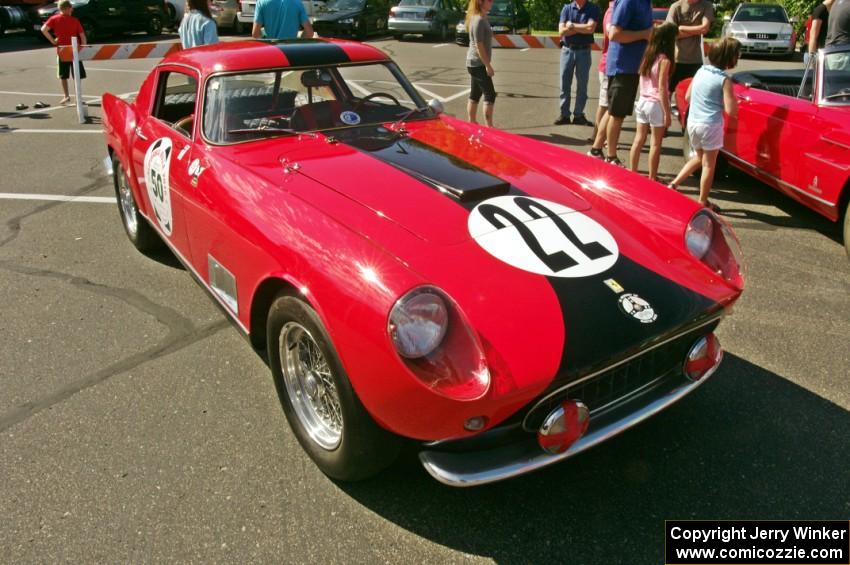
<point>578,62</point>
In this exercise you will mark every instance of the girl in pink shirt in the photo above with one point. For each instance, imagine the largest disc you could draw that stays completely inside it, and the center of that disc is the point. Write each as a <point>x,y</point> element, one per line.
<point>652,109</point>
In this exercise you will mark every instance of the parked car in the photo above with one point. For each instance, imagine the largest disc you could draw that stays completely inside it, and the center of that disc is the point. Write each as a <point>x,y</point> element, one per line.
<point>174,10</point>
<point>352,18</point>
<point>506,16</point>
<point>414,278</point>
<point>762,29</point>
<point>247,7</point>
<point>224,12</point>
<point>100,18</point>
<point>793,133</point>
<point>435,18</point>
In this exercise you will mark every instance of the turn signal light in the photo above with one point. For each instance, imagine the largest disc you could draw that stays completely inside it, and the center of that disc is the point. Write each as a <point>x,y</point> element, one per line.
<point>563,426</point>
<point>703,358</point>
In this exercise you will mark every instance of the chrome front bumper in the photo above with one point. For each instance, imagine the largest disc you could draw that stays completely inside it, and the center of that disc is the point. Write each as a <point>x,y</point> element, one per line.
<point>472,468</point>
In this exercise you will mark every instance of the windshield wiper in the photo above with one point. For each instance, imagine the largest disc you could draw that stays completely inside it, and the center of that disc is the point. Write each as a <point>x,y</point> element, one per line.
<point>395,125</point>
<point>267,129</point>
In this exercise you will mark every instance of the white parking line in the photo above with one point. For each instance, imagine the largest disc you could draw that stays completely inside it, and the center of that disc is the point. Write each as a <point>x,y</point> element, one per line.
<point>458,95</point>
<point>59,198</point>
<point>10,130</point>
<point>41,94</point>
<point>524,50</point>
<point>36,111</point>
<point>440,45</point>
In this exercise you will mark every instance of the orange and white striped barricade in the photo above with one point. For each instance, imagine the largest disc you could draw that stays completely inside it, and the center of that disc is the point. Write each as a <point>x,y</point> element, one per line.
<point>75,54</point>
<point>533,42</point>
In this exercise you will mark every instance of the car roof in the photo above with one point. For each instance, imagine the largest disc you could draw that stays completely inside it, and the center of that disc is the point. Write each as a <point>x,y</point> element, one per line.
<point>264,54</point>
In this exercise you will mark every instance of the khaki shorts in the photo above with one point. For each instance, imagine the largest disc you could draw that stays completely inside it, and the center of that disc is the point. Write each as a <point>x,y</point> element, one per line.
<point>603,89</point>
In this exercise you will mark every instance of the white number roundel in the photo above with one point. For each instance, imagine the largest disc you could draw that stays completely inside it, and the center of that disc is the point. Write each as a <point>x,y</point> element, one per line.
<point>157,165</point>
<point>542,237</point>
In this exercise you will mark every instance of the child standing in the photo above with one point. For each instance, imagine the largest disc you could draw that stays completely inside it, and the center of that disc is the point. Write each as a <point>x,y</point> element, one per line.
<point>478,60</point>
<point>709,94</point>
<point>653,108</point>
<point>198,27</point>
<point>59,29</point>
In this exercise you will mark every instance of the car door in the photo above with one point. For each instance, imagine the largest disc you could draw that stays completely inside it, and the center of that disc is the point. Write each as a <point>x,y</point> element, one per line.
<point>162,154</point>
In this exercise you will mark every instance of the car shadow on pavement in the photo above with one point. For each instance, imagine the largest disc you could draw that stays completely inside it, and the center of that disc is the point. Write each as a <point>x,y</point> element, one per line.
<point>748,445</point>
<point>737,193</point>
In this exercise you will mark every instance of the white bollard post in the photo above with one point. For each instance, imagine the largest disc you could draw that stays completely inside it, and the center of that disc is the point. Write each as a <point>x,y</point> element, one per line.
<point>81,110</point>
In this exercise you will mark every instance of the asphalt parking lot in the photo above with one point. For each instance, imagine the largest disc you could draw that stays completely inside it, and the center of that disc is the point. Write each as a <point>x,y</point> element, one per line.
<point>136,425</point>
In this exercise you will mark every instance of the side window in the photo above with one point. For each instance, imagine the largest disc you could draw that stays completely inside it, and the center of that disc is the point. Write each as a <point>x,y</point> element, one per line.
<point>176,101</point>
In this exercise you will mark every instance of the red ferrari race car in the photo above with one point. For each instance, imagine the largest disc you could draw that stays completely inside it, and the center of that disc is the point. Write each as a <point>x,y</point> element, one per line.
<point>413,277</point>
<point>793,132</point>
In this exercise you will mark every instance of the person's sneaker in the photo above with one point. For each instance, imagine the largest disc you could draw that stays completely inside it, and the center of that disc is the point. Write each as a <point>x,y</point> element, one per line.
<point>562,121</point>
<point>65,101</point>
<point>614,161</point>
<point>594,152</point>
<point>580,120</point>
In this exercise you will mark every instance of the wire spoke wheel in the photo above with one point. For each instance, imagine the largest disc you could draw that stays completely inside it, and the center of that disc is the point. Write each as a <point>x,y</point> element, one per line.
<point>310,385</point>
<point>127,202</point>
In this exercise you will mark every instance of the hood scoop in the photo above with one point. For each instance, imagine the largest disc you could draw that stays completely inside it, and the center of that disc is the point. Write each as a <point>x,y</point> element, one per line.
<point>442,171</point>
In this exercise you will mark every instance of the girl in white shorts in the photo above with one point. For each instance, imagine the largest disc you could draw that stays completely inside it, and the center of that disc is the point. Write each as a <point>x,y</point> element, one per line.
<point>709,95</point>
<point>652,109</point>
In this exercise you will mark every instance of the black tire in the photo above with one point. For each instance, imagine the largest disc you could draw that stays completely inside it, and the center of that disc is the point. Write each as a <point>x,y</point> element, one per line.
<point>171,15</point>
<point>443,32</point>
<point>139,232</point>
<point>154,25</point>
<point>363,448</point>
<point>238,28</point>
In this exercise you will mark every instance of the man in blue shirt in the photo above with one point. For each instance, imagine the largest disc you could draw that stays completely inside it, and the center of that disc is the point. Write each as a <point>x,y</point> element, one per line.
<point>281,19</point>
<point>578,20</point>
<point>629,32</point>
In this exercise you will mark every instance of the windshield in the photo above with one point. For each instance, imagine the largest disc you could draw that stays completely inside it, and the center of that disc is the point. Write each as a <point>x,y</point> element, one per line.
<point>424,3</point>
<point>343,5</point>
<point>836,78</point>
<point>501,8</point>
<point>246,106</point>
<point>761,13</point>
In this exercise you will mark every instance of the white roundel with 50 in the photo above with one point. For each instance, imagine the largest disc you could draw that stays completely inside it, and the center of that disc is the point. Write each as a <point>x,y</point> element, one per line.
<point>542,237</point>
<point>157,165</point>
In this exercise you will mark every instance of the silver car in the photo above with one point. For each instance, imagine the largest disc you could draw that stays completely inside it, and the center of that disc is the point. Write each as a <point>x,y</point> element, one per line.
<point>434,18</point>
<point>224,12</point>
<point>762,29</point>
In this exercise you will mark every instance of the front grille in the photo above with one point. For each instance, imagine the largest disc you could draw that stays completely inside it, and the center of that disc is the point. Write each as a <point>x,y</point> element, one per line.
<point>609,388</point>
<point>761,36</point>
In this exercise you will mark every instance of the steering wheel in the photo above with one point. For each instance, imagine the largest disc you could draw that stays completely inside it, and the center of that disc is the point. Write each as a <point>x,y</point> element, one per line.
<point>376,95</point>
<point>183,122</point>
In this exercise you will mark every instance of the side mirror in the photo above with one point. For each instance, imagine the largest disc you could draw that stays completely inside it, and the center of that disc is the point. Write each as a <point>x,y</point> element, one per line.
<point>795,20</point>
<point>436,106</point>
<point>727,19</point>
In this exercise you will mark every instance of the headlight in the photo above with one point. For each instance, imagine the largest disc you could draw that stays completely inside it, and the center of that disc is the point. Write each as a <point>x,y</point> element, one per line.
<point>418,324</point>
<point>501,29</point>
<point>711,240</point>
<point>437,344</point>
<point>784,37</point>
<point>460,27</point>
<point>347,21</point>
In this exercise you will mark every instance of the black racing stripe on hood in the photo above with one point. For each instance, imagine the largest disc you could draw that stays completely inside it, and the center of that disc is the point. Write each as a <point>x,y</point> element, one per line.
<point>597,329</point>
<point>447,173</point>
<point>309,52</point>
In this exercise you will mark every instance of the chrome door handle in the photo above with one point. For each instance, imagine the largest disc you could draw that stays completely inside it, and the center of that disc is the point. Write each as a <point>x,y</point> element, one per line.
<point>139,134</point>
<point>742,97</point>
